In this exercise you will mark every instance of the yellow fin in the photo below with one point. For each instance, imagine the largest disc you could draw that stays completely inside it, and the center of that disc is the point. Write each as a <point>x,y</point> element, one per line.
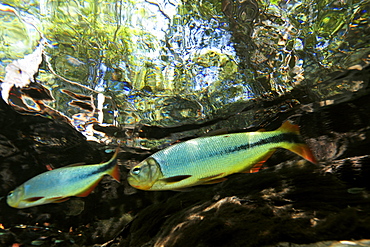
<point>288,127</point>
<point>212,177</point>
<point>299,148</point>
<point>304,151</point>
<point>114,171</point>
<point>215,181</point>
<point>258,166</point>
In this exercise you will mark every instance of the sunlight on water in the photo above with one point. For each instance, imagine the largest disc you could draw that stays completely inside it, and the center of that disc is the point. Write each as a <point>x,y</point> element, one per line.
<point>169,63</point>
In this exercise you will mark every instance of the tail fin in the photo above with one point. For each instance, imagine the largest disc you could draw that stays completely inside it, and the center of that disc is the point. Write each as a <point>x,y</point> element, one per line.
<point>114,170</point>
<point>303,150</point>
<point>299,148</point>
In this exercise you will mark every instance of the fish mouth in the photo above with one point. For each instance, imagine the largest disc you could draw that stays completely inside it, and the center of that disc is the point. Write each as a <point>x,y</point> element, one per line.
<point>12,204</point>
<point>135,182</point>
<point>143,187</point>
<point>13,198</point>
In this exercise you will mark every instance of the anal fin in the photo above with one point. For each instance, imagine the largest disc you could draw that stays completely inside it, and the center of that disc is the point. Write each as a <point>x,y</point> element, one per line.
<point>260,162</point>
<point>256,168</point>
<point>215,181</point>
<point>87,191</point>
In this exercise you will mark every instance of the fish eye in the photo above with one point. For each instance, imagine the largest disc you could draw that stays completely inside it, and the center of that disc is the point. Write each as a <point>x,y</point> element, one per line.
<point>136,170</point>
<point>11,193</point>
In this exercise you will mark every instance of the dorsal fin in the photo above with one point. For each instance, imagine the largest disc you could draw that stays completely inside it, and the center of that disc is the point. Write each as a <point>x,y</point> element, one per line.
<point>76,164</point>
<point>288,127</point>
<point>217,132</point>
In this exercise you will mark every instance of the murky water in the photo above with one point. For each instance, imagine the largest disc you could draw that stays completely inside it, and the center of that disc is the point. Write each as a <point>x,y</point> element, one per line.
<point>174,63</point>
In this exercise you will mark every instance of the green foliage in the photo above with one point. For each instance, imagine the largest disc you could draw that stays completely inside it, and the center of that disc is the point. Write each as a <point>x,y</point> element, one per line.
<point>96,31</point>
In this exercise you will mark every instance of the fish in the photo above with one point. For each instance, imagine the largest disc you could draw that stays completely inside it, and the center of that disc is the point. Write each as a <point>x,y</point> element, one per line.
<point>208,160</point>
<point>60,184</point>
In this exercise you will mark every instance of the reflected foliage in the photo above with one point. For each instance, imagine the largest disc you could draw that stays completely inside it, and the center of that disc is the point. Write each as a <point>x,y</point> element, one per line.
<point>170,63</point>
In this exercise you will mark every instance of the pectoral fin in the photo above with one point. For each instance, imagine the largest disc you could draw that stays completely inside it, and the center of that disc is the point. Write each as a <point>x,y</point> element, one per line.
<point>175,179</point>
<point>76,164</point>
<point>33,199</point>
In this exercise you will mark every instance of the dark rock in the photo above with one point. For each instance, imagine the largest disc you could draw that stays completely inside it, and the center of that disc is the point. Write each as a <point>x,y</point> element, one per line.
<point>291,201</point>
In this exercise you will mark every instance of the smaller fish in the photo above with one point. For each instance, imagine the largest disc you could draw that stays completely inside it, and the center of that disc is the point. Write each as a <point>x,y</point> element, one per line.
<point>60,184</point>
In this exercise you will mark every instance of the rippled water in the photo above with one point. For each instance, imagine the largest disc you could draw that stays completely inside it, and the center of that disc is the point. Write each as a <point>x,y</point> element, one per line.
<point>174,63</point>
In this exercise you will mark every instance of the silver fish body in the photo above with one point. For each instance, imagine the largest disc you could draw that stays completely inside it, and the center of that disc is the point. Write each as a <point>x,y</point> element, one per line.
<point>58,185</point>
<point>209,159</point>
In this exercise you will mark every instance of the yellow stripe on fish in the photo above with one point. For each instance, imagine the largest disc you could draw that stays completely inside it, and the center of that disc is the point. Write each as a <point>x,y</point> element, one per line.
<point>58,185</point>
<point>207,160</point>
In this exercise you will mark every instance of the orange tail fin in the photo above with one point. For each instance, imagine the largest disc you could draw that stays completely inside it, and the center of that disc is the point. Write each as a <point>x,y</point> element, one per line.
<point>299,148</point>
<point>114,171</point>
<point>304,151</point>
